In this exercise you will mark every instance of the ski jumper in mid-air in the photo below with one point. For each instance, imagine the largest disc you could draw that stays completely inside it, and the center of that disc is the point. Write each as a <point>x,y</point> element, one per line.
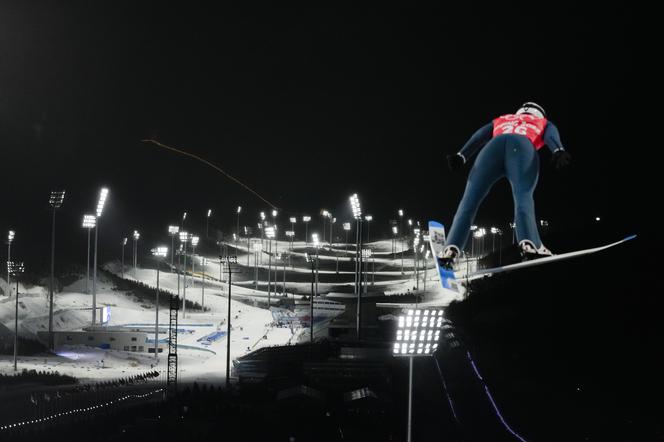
<point>507,148</point>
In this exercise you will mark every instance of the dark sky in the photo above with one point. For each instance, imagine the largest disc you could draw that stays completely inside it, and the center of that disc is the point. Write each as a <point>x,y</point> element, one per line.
<point>306,106</point>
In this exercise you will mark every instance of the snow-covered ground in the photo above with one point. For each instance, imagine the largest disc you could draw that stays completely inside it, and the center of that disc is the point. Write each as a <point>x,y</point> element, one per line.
<point>252,324</point>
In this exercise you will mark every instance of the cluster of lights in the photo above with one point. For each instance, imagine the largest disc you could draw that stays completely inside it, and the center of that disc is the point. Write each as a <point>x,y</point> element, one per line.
<point>184,236</point>
<point>102,200</point>
<point>269,232</point>
<point>89,221</point>
<point>290,233</point>
<point>15,268</point>
<point>10,236</point>
<point>346,226</point>
<point>79,410</point>
<point>479,232</point>
<point>194,240</point>
<point>262,216</point>
<point>239,209</point>
<point>368,218</point>
<point>366,253</point>
<point>136,235</point>
<point>355,206</point>
<point>314,239</point>
<point>306,219</point>
<point>418,333</point>
<point>57,198</point>
<point>172,230</point>
<point>293,220</point>
<point>160,251</point>
<point>395,230</point>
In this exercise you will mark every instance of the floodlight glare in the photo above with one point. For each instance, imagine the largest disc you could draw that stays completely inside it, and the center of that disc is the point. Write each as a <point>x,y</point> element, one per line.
<point>184,236</point>
<point>160,251</point>
<point>314,238</point>
<point>274,213</point>
<point>263,216</point>
<point>290,233</point>
<point>395,230</point>
<point>89,221</point>
<point>10,236</point>
<point>355,206</point>
<point>239,209</point>
<point>306,219</point>
<point>124,242</point>
<point>102,200</point>
<point>346,226</point>
<point>136,235</point>
<point>400,212</point>
<point>293,219</point>
<point>269,232</point>
<point>325,212</point>
<point>194,240</point>
<point>209,212</point>
<point>368,218</point>
<point>418,332</point>
<point>410,222</point>
<point>173,229</point>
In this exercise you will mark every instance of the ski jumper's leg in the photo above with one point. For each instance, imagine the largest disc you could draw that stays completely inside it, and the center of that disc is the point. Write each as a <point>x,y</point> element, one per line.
<point>522,166</point>
<point>489,167</point>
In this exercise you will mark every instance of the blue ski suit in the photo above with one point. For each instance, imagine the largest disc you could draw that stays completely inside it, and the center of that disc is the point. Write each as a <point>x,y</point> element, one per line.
<point>508,155</point>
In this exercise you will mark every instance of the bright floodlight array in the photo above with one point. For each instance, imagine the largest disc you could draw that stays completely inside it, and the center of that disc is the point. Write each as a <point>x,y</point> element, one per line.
<point>124,241</point>
<point>136,235</point>
<point>269,232</point>
<point>57,198</point>
<point>368,218</point>
<point>15,268</point>
<point>290,233</point>
<point>89,221</point>
<point>346,226</point>
<point>274,213</point>
<point>209,212</point>
<point>479,233</point>
<point>239,209</point>
<point>172,230</point>
<point>293,220</point>
<point>103,193</point>
<point>262,216</point>
<point>418,332</point>
<point>184,236</point>
<point>314,239</point>
<point>160,251</point>
<point>10,236</point>
<point>194,240</point>
<point>306,219</point>
<point>355,206</point>
<point>395,230</point>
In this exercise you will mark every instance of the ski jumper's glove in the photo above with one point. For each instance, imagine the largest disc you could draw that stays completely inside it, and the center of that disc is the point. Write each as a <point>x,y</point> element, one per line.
<point>561,159</point>
<point>455,162</point>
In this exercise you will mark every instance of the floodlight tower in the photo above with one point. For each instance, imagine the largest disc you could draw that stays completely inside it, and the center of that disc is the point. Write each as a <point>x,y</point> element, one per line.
<point>124,243</point>
<point>357,214</point>
<point>346,229</point>
<point>269,232</point>
<point>15,269</point>
<point>290,234</point>
<point>55,201</point>
<point>194,243</point>
<point>333,221</point>
<point>184,237</point>
<point>237,227</point>
<point>159,253</point>
<point>10,239</point>
<point>89,222</point>
<point>207,223</point>
<point>103,194</point>
<point>292,220</point>
<point>172,231</point>
<point>184,217</point>
<point>136,237</point>
<point>368,219</point>
<point>395,232</point>
<point>261,226</point>
<point>324,214</point>
<point>418,333</point>
<point>305,220</point>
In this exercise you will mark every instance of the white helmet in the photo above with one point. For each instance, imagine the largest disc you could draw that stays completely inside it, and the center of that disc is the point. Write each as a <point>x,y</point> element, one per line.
<point>533,109</point>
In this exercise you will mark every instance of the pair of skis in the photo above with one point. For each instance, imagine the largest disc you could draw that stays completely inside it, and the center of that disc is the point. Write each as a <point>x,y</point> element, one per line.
<point>448,277</point>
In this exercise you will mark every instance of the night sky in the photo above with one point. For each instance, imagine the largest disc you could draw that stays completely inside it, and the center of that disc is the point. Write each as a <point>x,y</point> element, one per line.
<point>305,106</point>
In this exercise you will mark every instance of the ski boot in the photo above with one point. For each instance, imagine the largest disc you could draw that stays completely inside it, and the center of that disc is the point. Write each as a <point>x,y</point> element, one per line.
<point>447,256</point>
<point>529,251</point>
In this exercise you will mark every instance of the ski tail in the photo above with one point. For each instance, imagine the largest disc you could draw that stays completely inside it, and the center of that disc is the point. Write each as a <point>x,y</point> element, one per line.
<point>437,244</point>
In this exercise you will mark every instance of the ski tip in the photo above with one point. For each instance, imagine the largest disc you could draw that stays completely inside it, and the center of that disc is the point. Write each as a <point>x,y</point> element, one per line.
<point>435,224</point>
<point>630,237</point>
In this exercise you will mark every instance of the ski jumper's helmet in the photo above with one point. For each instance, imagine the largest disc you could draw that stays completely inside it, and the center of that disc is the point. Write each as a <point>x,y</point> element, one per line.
<point>532,109</point>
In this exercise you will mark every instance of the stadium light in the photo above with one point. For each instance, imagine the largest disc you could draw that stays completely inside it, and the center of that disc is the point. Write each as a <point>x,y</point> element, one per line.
<point>207,223</point>
<point>103,194</point>
<point>172,231</point>
<point>237,227</point>
<point>15,269</point>
<point>418,333</point>
<point>124,243</point>
<point>55,200</point>
<point>159,253</point>
<point>305,220</point>
<point>136,237</point>
<point>184,238</point>
<point>89,222</point>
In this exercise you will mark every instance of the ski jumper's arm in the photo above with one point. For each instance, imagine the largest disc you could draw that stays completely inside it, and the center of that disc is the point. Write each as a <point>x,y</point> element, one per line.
<point>552,138</point>
<point>476,142</point>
